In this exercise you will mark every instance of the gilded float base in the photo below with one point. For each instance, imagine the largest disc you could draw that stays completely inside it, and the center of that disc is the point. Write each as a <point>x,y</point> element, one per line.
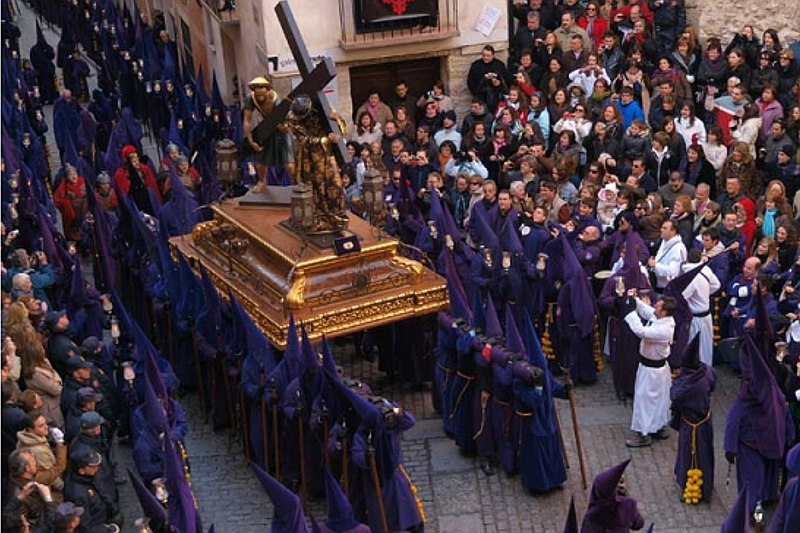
<point>275,272</point>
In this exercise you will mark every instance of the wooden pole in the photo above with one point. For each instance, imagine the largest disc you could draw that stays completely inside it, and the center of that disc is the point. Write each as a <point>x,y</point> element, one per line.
<point>201,388</point>
<point>302,451</point>
<point>276,436</point>
<point>575,429</point>
<point>345,466</point>
<point>561,437</point>
<point>262,380</point>
<point>377,483</point>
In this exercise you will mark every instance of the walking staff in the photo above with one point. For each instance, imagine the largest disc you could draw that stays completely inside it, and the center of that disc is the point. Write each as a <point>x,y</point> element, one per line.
<point>262,381</point>
<point>377,482</point>
<point>576,430</point>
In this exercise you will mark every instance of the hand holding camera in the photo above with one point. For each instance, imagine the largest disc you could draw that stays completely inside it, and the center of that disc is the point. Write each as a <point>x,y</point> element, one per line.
<point>57,435</point>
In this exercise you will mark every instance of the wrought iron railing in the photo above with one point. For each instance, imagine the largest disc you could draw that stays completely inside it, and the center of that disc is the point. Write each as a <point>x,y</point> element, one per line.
<point>358,33</point>
<point>224,10</point>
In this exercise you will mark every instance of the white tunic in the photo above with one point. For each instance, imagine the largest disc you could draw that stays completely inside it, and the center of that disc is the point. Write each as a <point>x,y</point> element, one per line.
<point>651,391</point>
<point>698,296</point>
<point>669,258</point>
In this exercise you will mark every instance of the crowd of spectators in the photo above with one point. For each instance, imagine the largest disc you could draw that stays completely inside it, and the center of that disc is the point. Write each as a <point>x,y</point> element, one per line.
<point>603,120</point>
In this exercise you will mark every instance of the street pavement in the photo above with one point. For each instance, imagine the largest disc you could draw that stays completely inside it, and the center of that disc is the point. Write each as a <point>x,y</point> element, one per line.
<point>457,496</point>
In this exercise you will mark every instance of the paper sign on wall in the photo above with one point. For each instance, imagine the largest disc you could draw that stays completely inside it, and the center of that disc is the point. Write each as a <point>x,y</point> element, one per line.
<point>488,20</point>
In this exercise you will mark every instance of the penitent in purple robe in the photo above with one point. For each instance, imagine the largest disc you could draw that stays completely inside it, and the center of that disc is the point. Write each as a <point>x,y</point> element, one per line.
<point>691,412</point>
<point>787,514</point>
<point>609,511</point>
<point>623,345</point>
<point>575,311</point>
<point>756,428</point>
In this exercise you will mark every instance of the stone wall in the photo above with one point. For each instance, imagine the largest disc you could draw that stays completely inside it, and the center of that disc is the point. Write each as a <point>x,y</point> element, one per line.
<point>723,18</point>
<point>457,65</point>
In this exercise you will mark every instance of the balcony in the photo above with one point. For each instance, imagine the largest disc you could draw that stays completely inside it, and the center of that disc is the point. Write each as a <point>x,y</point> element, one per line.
<point>223,10</point>
<point>358,32</point>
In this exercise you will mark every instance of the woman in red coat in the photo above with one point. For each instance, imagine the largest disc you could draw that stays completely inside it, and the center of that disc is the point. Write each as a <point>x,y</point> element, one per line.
<point>135,179</point>
<point>594,24</point>
<point>70,199</point>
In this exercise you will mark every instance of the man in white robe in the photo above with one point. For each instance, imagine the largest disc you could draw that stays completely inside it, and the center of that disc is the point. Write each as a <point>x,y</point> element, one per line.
<point>671,254</point>
<point>698,296</point>
<point>651,400</point>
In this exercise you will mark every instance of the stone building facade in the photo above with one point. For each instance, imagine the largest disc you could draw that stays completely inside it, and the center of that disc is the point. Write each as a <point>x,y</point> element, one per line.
<point>242,39</point>
<point>723,19</point>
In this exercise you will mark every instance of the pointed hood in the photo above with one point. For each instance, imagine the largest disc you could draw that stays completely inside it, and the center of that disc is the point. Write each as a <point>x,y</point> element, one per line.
<point>631,270</point>
<point>130,129</point>
<point>513,338</point>
<point>328,361</point>
<point>509,240</point>
<point>112,160</point>
<point>762,400</point>
<point>40,38</point>
<point>191,301</point>
<point>310,362</point>
<point>478,310</point>
<point>71,156</point>
<point>691,356</point>
<point>435,212</point>
<point>366,411</point>
<point>447,225</point>
<point>566,267</point>
<point>208,324</point>
<point>237,345</point>
<point>764,332</point>
<point>216,95</point>
<point>151,370</point>
<point>185,107</point>
<point>200,91</point>
<point>682,315</point>
<point>604,488</point>
<point>484,232</point>
<point>493,328</point>
<point>459,307</point>
<point>293,355</point>
<point>571,524</point>
<point>738,519</point>
<point>311,372</point>
<point>327,398</point>
<point>210,190</point>
<point>106,274</point>
<point>340,512</point>
<point>533,347</point>
<point>248,339</point>
<point>153,410</point>
<point>288,514</point>
<point>174,135</point>
<point>78,290</point>
<point>168,68</point>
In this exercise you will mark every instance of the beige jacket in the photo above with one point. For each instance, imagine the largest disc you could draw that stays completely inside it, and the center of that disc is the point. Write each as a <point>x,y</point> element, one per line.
<point>50,465</point>
<point>46,381</point>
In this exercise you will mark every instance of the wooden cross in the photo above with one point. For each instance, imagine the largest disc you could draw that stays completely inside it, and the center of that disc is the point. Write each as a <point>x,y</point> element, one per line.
<point>314,81</point>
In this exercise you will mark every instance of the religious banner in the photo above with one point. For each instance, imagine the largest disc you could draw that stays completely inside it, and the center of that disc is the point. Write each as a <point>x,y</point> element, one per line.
<point>381,11</point>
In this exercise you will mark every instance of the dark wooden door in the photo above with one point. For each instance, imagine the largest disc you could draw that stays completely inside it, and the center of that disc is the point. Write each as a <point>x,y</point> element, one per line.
<point>419,74</point>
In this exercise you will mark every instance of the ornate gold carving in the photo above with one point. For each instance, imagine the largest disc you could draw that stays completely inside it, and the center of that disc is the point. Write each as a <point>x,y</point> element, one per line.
<point>333,295</point>
<point>294,298</point>
<point>415,267</point>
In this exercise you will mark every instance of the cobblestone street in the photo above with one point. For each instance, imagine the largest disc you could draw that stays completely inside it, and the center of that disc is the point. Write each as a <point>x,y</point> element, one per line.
<point>457,496</point>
